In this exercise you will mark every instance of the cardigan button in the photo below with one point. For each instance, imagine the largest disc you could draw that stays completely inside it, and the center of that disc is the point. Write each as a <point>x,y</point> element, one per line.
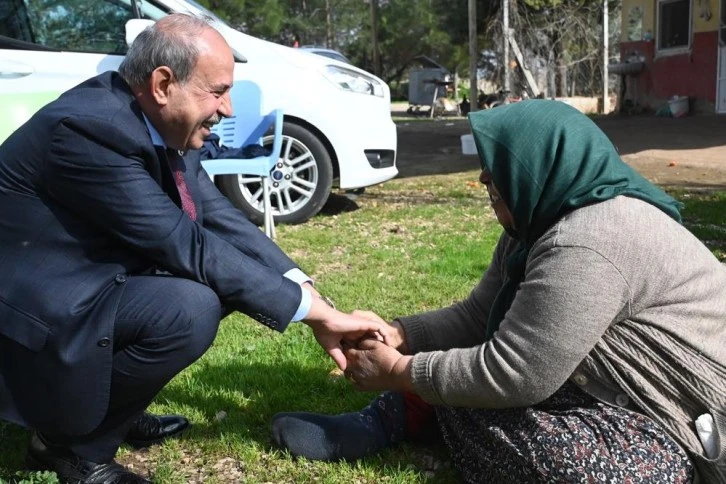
<point>120,278</point>
<point>622,399</point>
<point>104,342</point>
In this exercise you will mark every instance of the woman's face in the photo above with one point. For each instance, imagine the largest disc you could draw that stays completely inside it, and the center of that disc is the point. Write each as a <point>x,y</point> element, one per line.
<point>504,216</point>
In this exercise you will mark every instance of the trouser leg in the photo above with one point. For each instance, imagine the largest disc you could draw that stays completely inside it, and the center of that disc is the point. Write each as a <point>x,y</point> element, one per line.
<point>163,324</point>
<point>569,437</point>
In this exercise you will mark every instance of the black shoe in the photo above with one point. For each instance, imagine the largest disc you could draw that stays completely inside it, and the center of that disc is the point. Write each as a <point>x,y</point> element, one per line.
<point>70,468</point>
<point>149,429</point>
<point>349,436</point>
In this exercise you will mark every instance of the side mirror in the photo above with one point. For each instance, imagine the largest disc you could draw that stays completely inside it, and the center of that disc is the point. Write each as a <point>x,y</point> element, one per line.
<point>134,28</point>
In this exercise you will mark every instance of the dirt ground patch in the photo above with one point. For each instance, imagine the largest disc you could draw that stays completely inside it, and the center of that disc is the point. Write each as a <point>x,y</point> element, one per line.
<point>687,152</point>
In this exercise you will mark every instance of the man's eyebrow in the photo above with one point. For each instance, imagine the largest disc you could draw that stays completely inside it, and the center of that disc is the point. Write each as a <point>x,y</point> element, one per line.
<point>221,87</point>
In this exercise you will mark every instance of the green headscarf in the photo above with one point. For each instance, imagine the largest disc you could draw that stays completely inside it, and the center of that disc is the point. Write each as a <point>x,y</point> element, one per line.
<point>547,159</point>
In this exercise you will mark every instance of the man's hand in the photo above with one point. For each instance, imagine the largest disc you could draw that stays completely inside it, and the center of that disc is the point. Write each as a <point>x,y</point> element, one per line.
<point>373,365</point>
<point>394,334</point>
<point>332,328</point>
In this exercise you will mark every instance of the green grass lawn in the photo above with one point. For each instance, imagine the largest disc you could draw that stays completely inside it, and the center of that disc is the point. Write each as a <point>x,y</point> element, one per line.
<point>406,246</point>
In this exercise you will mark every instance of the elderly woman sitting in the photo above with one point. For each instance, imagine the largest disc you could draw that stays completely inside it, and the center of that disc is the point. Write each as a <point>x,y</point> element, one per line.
<point>593,342</point>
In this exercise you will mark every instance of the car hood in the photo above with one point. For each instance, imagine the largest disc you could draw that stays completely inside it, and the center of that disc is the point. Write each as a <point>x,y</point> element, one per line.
<point>252,47</point>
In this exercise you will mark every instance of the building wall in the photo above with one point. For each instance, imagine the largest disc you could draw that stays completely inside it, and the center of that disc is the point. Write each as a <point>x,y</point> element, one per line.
<point>688,73</point>
<point>648,8</point>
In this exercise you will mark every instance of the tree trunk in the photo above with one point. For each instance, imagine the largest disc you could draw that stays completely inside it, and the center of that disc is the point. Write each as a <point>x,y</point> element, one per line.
<point>374,38</point>
<point>561,70</point>
<point>505,51</point>
<point>605,56</point>
<point>473,58</point>
<point>329,39</point>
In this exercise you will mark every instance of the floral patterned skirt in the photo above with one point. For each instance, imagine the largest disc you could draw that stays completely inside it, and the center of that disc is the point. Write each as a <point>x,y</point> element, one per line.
<point>570,437</point>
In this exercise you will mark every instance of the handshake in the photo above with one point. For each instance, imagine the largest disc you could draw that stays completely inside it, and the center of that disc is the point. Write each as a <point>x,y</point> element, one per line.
<point>374,365</point>
<point>370,351</point>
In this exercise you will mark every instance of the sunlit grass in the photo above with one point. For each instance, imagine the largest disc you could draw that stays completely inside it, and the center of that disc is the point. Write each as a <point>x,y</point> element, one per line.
<point>704,214</point>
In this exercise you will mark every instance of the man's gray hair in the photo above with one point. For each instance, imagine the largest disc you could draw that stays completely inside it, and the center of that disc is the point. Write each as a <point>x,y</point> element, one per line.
<point>169,42</point>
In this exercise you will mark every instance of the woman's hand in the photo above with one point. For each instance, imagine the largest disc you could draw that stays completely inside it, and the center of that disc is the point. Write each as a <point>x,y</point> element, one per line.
<point>373,365</point>
<point>394,334</point>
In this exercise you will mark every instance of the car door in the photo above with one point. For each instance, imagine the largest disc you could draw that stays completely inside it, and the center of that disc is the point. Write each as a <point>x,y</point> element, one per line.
<point>49,46</point>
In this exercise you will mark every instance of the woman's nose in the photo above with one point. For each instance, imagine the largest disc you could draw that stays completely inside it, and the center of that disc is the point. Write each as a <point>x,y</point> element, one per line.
<point>484,177</point>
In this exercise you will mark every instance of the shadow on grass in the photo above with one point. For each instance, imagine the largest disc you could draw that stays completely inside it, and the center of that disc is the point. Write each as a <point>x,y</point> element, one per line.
<point>287,387</point>
<point>13,442</point>
<point>267,389</point>
<point>338,204</point>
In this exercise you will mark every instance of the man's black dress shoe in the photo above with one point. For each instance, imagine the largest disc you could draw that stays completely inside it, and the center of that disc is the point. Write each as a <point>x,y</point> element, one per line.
<point>70,468</point>
<point>149,429</point>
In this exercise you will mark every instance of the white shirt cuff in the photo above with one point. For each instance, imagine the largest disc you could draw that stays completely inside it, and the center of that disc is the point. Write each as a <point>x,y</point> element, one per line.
<point>298,276</point>
<point>305,304</point>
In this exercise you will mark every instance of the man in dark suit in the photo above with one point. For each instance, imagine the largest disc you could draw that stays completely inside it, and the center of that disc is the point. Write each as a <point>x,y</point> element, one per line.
<point>119,257</point>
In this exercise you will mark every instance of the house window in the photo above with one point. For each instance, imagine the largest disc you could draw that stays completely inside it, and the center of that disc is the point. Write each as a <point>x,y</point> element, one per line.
<point>674,24</point>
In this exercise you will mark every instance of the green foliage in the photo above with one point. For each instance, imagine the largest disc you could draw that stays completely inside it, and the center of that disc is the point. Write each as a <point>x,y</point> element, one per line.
<point>260,18</point>
<point>540,4</point>
<point>27,477</point>
<point>406,28</point>
<point>454,19</point>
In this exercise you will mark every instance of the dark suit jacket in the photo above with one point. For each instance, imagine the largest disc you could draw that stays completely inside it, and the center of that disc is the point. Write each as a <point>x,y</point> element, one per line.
<point>84,202</point>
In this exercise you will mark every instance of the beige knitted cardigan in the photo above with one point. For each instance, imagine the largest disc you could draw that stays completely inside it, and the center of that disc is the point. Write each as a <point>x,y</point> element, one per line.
<point>617,297</point>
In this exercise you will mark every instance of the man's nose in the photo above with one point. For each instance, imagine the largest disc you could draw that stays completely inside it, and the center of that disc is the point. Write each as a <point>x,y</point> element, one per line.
<point>225,107</point>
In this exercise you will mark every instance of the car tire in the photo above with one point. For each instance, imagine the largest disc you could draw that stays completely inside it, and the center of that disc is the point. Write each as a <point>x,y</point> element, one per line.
<point>303,189</point>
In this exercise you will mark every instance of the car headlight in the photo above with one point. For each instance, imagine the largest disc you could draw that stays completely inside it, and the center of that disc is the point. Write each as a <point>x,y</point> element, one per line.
<point>350,80</point>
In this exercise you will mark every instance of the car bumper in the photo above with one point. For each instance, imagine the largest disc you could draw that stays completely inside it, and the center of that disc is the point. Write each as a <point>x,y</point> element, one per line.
<point>363,137</point>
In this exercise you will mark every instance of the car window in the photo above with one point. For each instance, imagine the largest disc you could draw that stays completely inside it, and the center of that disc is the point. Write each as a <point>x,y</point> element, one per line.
<point>71,25</point>
<point>14,20</point>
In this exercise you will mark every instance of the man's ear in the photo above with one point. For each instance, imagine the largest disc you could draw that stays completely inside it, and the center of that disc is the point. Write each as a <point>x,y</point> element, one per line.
<point>161,80</point>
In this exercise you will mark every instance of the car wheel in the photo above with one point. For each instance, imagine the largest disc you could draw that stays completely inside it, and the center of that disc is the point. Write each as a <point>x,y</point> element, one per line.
<point>305,178</point>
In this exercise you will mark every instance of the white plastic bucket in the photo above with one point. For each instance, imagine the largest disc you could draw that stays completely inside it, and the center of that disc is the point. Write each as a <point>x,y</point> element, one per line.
<point>467,144</point>
<point>678,106</point>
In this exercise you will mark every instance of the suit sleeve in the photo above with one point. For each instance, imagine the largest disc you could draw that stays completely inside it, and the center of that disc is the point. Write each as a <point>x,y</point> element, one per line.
<point>101,178</point>
<point>230,224</point>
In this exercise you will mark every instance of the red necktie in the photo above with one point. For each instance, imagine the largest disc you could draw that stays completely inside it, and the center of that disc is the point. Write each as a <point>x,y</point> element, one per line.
<point>176,163</point>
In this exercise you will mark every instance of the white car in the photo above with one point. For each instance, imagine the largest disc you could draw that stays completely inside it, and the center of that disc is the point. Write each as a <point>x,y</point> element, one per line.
<point>337,128</point>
